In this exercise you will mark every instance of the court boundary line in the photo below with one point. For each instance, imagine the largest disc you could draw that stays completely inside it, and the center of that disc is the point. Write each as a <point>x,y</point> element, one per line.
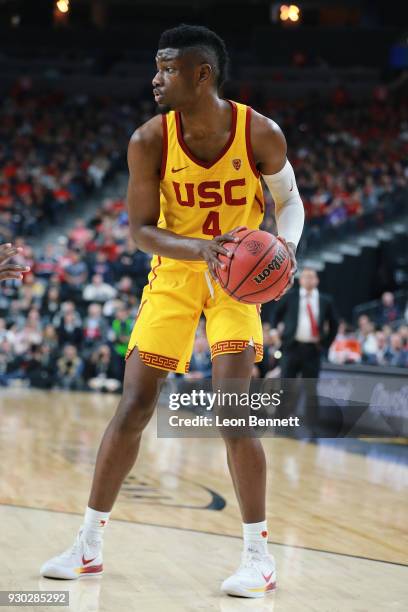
<point>213,533</point>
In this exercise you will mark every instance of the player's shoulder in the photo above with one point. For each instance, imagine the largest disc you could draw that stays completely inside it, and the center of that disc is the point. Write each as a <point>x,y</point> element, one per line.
<point>266,134</point>
<point>262,126</point>
<point>147,139</point>
<point>149,133</point>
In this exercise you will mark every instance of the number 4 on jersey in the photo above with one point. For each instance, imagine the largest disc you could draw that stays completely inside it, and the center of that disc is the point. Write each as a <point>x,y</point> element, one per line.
<point>211,226</point>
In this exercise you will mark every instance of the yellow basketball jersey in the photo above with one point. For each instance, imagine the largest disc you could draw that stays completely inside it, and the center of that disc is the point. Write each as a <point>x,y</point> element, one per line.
<point>206,199</point>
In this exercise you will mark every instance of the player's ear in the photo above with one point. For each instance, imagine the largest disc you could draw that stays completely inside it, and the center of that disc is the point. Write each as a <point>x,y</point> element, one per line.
<point>205,72</point>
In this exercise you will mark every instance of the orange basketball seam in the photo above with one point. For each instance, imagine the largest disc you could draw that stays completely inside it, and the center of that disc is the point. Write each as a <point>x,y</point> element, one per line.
<point>256,264</point>
<point>236,248</point>
<point>269,286</point>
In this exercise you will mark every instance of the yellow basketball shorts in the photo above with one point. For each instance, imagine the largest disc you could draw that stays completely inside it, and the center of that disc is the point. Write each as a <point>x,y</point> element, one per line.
<point>171,306</point>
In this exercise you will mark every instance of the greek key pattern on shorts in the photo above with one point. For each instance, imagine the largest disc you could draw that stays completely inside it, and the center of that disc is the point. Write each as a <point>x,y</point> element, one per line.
<point>187,367</point>
<point>234,346</point>
<point>160,361</point>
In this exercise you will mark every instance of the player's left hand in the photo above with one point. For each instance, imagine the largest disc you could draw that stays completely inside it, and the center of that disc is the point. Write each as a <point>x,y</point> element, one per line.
<point>292,254</point>
<point>219,241</point>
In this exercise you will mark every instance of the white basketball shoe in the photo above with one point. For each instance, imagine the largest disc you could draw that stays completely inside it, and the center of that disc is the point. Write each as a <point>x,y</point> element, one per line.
<point>255,577</point>
<point>82,559</point>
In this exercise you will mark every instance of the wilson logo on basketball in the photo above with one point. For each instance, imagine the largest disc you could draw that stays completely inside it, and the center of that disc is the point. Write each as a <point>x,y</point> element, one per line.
<point>275,264</point>
<point>254,246</point>
<point>236,163</point>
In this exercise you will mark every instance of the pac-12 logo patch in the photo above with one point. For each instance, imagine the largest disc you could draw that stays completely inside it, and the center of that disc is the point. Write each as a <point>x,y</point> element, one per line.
<point>254,246</point>
<point>236,163</point>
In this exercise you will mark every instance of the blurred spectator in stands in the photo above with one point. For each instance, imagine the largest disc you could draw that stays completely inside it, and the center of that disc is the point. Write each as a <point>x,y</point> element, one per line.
<point>39,368</point>
<point>336,214</point>
<point>403,332</point>
<point>98,291</point>
<point>50,304</point>
<point>7,227</point>
<point>389,311</point>
<point>269,366</point>
<point>69,331</point>
<point>50,339</point>
<point>30,333</point>
<point>80,235</point>
<point>95,327</point>
<point>387,329</point>
<point>3,330</point>
<point>109,308</point>
<point>97,170</point>
<point>125,285</point>
<point>133,263</point>
<point>33,327</point>
<point>69,369</point>
<point>15,314</point>
<point>122,326</point>
<point>103,267</point>
<point>380,355</point>
<point>75,275</point>
<point>108,245</point>
<point>46,263</point>
<point>366,337</point>
<point>100,372</point>
<point>345,347</point>
<point>67,307</point>
<point>9,364</point>
<point>396,355</point>
<point>200,364</point>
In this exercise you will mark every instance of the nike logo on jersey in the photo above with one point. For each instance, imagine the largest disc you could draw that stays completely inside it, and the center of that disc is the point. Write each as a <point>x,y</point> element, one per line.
<point>174,170</point>
<point>291,186</point>
<point>86,561</point>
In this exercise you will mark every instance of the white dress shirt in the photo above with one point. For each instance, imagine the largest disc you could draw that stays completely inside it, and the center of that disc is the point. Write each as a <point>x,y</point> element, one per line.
<point>304,329</point>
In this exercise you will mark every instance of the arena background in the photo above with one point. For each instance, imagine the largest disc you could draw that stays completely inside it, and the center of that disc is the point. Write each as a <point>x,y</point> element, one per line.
<point>75,81</point>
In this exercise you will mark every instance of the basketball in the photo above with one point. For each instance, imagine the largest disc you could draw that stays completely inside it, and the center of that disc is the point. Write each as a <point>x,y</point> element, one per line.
<point>259,268</point>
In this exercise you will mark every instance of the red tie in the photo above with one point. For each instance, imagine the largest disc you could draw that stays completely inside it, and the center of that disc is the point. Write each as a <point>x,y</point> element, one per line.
<point>313,323</point>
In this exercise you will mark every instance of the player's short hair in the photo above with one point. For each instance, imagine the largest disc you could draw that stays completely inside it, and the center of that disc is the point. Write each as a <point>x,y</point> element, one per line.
<point>213,47</point>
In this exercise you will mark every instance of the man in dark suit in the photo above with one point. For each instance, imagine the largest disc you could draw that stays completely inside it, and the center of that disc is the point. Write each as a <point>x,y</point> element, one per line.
<point>309,327</point>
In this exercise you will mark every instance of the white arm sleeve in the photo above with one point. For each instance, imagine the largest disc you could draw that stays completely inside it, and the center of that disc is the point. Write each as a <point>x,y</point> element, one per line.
<point>289,211</point>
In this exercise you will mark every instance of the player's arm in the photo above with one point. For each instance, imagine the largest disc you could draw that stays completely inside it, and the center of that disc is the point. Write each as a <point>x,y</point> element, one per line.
<point>10,271</point>
<point>143,200</point>
<point>269,149</point>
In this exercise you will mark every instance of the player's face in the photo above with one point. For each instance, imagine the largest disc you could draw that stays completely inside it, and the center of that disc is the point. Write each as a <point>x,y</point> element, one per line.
<point>308,280</point>
<point>173,84</point>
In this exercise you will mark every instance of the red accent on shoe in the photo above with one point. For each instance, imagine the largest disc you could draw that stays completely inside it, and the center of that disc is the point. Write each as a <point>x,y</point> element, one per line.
<point>270,587</point>
<point>264,534</point>
<point>267,578</point>
<point>86,561</point>
<point>93,569</point>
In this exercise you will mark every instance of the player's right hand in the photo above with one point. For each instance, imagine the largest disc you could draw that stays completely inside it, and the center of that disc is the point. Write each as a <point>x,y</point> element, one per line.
<point>10,271</point>
<point>210,249</point>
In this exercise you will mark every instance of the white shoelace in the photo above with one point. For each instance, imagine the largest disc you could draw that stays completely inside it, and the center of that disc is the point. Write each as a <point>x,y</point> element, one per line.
<point>73,551</point>
<point>251,559</point>
<point>76,547</point>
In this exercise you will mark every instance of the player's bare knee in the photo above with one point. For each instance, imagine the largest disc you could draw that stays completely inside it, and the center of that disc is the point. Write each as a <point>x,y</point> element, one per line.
<point>134,411</point>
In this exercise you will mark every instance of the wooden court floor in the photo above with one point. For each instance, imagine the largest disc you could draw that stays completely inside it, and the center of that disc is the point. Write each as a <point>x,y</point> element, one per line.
<point>337,520</point>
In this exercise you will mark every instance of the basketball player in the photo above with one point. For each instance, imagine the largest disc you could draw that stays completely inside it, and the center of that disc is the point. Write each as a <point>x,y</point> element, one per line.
<point>194,179</point>
<point>10,271</point>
